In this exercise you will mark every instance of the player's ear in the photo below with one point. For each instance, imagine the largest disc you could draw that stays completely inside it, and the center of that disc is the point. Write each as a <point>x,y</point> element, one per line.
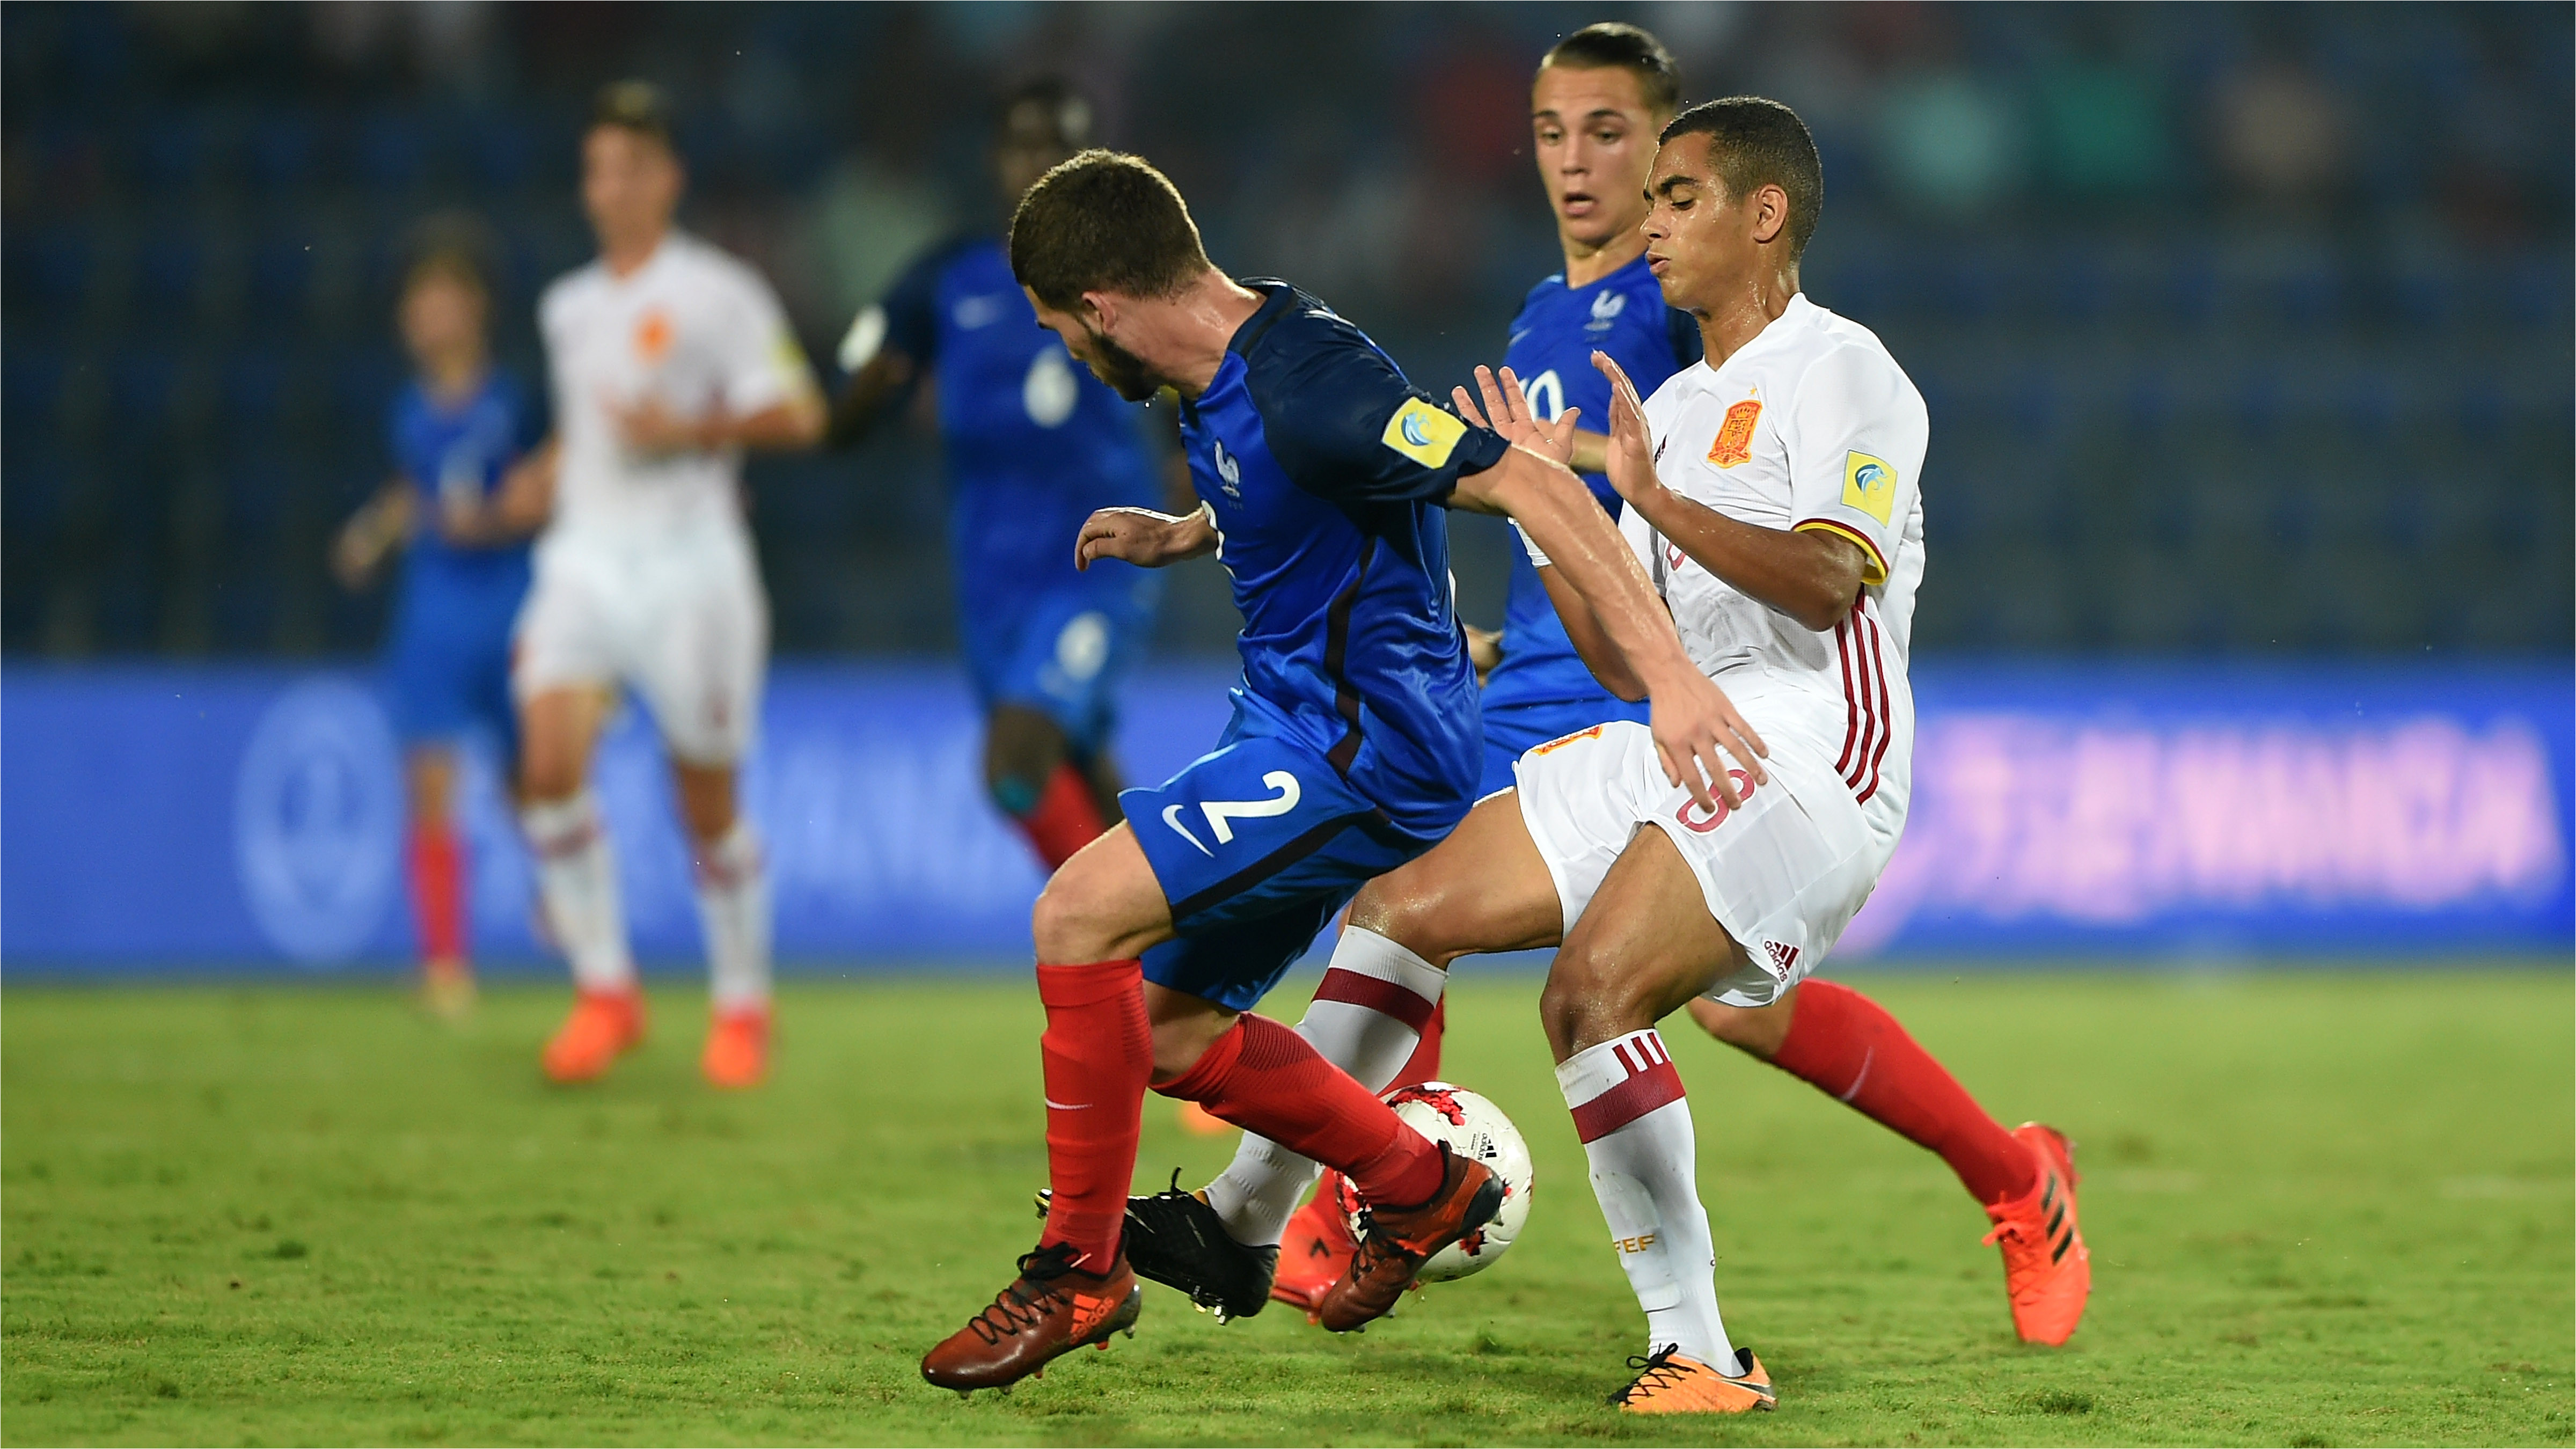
<point>1103,308</point>
<point>1770,213</point>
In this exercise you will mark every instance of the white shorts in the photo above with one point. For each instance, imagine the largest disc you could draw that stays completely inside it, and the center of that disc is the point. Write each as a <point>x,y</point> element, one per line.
<point>685,624</point>
<point>1783,873</point>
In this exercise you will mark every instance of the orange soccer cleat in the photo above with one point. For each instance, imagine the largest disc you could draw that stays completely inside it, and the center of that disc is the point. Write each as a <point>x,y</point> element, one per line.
<point>1395,1241</point>
<point>604,1026</point>
<point>2048,1272</point>
<point>1048,1311</point>
<point>737,1055</point>
<point>1315,1250</point>
<point>1668,1383</point>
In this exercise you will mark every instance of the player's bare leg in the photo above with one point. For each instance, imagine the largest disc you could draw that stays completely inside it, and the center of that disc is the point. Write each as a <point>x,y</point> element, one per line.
<point>734,908</point>
<point>437,867</point>
<point>1849,1047</point>
<point>1646,945</point>
<point>1485,884</point>
<point>577,878</point>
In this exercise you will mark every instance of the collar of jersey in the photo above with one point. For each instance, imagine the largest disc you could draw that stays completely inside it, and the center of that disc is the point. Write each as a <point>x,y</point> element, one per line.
<point>1797,303</point>
<point>1282,297</point>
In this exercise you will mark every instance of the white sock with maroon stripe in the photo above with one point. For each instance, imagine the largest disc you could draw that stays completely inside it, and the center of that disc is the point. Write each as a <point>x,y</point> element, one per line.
<point>1636,1127</point>
<point>577,881</point>
<point>1366,1018</point>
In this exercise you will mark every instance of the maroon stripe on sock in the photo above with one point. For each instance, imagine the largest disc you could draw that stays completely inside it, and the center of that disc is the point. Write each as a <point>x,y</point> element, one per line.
<point>1625,1103</point>
<point>1373,994</point>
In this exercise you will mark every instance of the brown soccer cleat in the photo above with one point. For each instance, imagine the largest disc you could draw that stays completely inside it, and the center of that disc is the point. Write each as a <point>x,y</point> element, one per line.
<point>1395,1242</point>
<point>1668,1383</point>
<point>1315,1251</point>
<point>2048,1272</point>
<point>1050,1310</point>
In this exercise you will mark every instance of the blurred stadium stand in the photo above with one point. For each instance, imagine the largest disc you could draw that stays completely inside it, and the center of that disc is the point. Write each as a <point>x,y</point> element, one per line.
<point>2245,328</point>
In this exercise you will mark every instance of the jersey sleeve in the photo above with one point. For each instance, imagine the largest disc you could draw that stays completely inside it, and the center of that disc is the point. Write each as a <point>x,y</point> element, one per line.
<point>1855,433</point>
<point>911,308</point>
<point>762,363</point>
<point>1348,427</point>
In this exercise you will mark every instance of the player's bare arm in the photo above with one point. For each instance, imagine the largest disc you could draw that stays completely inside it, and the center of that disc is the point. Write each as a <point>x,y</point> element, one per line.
<point>372,533</point>
<point>518,508</point>
<point>1696,728</point>
<point>863,398</point>
<point>1810,575</point>
<point>1146,538</point>
<point>789,425</point>
<point>1692,718</point>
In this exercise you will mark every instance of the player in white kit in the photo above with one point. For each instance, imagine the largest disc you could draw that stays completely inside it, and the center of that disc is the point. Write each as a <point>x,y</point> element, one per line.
<point>1773,496</point>
<point>668,358</point>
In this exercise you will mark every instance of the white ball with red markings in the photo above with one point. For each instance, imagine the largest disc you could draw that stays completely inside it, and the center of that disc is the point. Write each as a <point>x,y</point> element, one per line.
<point>1474,1128</point>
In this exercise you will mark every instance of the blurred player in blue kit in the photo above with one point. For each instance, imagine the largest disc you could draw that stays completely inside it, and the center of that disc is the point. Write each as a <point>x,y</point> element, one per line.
<point>455,430</point>
<point>1034,446</point>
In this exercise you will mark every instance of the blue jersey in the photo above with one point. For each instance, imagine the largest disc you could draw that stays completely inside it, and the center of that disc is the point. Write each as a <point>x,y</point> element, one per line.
<point>1551,346</point>
<point>460,450</point>
<point>1035,443</point>
<point>1327,471</point>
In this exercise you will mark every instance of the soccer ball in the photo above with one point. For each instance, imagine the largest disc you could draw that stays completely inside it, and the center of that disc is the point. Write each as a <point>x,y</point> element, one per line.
<point>1474,1128</point>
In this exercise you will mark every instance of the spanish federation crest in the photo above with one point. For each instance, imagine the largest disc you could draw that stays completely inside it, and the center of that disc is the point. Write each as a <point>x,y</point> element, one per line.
<point>1735,435</point>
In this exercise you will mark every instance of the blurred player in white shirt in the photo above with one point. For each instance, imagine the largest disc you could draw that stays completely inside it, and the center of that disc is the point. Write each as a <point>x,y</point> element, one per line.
<point>668,359</point>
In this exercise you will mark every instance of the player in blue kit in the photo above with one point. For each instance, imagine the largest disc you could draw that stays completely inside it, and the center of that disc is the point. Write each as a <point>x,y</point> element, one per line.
<point>1034,446</point>
<point>455,429</point>
<point>1353,748</point>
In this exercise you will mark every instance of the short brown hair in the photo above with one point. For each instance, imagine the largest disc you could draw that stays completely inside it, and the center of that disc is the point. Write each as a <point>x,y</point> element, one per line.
<point>633,105</point>
<point>1755,143</point>
<point>1617,44</point>
<point>1104,222</point>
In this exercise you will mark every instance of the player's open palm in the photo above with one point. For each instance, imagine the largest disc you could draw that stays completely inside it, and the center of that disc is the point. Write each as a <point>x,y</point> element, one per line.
<point>1701,737</point>
<point>1631,453</point>
<point>1508,408</point>
<point>1143,537</point>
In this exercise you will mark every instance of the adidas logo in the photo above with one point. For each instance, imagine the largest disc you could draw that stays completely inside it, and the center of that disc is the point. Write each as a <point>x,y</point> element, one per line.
<point>1784,959</point>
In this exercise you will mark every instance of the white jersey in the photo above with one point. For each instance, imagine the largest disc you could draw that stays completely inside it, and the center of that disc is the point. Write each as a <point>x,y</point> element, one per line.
<point>1811,425</point>
<point>693,329</point>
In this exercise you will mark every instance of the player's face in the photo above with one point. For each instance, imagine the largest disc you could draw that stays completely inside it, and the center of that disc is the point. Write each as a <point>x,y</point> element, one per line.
<point>630,184</point>
<point>1594,138</point>
<point>1124,372</point>
<point>1028,147</point>
<point>441,317</point>
<point>1699,240</point>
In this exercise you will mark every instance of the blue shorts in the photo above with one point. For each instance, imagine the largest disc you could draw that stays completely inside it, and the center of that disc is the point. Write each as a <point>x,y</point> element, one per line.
<point>1062,651</point>
<point>447,667</point>
<point>1511,730</point>
<point>1256,846</point>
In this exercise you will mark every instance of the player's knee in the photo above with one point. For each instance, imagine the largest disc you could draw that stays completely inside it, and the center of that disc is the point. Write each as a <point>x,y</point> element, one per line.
<point>1406,914</point>
<point>1588,1000</point>
<point>1065,926</point>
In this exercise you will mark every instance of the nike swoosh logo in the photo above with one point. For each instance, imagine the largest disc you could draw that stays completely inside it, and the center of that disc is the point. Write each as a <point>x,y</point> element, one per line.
<point>1068,1106</point>
<point>1172,818</point>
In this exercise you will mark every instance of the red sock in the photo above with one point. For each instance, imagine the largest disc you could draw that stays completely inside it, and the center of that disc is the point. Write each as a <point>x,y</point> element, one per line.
<point>1424,1064</point>
<point>1264,1078</point>
<point>437,861</point>
<point>1848,1047</point>
<point>1099,1053</point>
<point>1065,819</point>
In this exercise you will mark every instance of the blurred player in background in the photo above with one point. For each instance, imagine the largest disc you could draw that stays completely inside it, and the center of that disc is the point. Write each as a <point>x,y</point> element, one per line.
<point>668,359</point>
<point>1322,474</point>
<point>1033,446</point>
<point>455,430</point>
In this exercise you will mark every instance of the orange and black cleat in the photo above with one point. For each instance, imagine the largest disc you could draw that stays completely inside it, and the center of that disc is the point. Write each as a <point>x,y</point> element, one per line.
<point>1667,1383</point>
<point>1395,1241</point>
<point>2048,1272</point>
<point>604,1026</point>
<point>1050,1310</point>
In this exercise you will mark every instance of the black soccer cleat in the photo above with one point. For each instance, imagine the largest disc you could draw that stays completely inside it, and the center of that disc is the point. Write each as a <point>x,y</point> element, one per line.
<point>1177,1240</point>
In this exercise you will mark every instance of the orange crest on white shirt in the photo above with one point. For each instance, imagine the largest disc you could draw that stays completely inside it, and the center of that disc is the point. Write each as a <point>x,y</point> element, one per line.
<point>652,335</point>
<point>1735,435</point>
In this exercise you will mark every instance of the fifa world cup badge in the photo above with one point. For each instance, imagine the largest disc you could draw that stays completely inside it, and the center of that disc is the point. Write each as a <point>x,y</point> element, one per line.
<point>1735,435</point>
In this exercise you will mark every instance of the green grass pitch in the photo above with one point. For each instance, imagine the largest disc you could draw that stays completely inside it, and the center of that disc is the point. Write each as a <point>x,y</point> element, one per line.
<point>2325,1208</point>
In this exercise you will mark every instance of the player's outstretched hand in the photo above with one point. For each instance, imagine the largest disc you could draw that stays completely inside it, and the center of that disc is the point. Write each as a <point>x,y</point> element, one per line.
<point>1144,537</point>
<point>1513,417</point>
<point>1631,453</point>
<point>1693,722</point>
